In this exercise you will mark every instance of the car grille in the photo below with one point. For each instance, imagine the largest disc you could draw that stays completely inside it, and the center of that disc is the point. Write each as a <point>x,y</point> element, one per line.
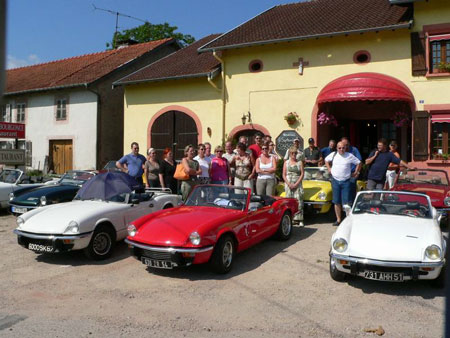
<point>163,256</point>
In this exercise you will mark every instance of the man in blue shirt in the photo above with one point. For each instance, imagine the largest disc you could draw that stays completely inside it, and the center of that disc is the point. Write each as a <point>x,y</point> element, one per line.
<point>133,163</point>
<point>355,152</point>
<point>328,150</point>
<point>379,160</point>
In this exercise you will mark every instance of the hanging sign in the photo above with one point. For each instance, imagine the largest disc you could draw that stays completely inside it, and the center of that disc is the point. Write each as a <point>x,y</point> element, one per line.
<point>12,130</point>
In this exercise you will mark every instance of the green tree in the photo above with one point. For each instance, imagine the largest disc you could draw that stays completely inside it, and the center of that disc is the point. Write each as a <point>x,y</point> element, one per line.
<point>150,32</point>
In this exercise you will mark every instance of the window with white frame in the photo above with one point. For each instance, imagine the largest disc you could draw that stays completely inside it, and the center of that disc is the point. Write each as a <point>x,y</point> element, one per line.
<point>20,107</point>
<point>6,113</point>
<point>61,109</point>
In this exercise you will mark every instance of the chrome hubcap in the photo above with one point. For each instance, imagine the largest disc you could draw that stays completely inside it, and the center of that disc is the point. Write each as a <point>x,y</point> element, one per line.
<point>286,225</point>
<point>102,243</point>
<point>227,254</point>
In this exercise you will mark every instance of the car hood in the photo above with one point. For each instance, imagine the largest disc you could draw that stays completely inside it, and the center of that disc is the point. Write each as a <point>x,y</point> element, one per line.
<point>32,196</point>
<point>311,189</point>
<point>437,193</point>
<point>390,238</point>
<point>173,227</point>
<point>54,219</point>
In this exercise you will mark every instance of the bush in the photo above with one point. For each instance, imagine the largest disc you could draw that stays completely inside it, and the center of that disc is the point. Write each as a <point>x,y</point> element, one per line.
<point>34,172</point>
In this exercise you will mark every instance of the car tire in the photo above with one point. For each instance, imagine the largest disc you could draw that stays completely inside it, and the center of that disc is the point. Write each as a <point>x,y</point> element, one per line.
<point>223,255</point>
<point>285,228</point>
<point>335,274</point>
<point>439,282</point>
<point>102,243</point>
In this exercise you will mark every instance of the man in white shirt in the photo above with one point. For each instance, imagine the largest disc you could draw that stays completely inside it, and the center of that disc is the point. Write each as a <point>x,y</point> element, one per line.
<point>339,165</point>
<point>204,162</point>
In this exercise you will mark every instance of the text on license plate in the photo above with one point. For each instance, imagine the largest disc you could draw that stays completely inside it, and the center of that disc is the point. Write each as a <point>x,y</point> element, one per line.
<point>153,263</point>
<point>384,276</point>
<point>19,210</point>
<point>40,247</point>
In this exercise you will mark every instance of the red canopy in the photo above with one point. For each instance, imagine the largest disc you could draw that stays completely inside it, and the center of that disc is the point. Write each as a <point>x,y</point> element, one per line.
<point>365,86</point>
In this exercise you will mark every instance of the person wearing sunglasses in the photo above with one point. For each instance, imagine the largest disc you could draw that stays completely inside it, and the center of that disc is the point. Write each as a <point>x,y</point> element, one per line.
<point>293,174</point>
<point>219,171</point>
<point>339,164</point>
<point>204,162</point>
<point>265,168</point>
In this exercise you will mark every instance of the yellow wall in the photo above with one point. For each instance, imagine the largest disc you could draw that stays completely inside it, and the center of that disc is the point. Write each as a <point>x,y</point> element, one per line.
<point>279,89</point>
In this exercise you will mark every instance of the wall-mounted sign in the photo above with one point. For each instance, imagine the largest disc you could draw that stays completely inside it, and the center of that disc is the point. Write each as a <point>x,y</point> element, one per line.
<point>285,140</point>
<point>12,130</point>
<point>12,156</point>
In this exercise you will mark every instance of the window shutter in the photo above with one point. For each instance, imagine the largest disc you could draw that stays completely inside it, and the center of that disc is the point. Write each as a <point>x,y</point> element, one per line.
<point>420,135</point>
<point>418,54</point>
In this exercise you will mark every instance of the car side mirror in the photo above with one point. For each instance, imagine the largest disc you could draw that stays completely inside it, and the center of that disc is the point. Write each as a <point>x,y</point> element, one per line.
<point>135,201</point>
<point>347,209</point>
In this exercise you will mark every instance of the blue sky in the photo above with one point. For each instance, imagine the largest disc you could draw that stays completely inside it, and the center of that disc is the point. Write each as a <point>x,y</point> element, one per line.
<point>44,30</point>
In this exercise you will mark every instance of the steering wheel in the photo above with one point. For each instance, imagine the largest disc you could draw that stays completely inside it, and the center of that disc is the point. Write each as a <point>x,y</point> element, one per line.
<point>234,204</point>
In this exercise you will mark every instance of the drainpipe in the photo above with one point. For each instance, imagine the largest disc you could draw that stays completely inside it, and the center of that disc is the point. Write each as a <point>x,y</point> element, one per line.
<point>222,64</point>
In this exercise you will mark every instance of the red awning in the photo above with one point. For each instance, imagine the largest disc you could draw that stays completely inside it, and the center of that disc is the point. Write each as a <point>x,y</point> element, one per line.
<point>366,86</point>
<point>439,37</point>
<point>440,118</point>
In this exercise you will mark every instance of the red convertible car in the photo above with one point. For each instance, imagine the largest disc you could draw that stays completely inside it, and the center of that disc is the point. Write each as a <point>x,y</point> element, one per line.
<point>432,182</point>
<point>213,224</point>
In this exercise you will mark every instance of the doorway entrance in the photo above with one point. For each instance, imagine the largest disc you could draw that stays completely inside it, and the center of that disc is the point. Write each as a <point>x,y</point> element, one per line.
<point>61,156</point>
<point>175,130</point>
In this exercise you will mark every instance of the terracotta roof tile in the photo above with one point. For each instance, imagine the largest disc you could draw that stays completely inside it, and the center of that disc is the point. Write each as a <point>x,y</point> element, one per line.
<point>183,63</point>
<point>76,70</point>
<point>315,17</point>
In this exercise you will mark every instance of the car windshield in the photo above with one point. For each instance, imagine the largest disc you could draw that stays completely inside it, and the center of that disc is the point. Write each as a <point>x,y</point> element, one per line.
<point>218,196</point>
<point>76,177</point>
<point>111,165</point>
<point>393,203</point>
<point>436,177</point>
<point>317,174</point>
<point>120,198</point>
<point>9,176</point>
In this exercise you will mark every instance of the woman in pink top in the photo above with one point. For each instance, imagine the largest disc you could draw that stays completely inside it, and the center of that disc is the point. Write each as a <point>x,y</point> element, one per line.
<point>219,171</point>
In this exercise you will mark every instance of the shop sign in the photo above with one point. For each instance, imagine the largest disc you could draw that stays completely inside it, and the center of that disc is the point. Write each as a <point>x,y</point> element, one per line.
<point>12,130</point>
<point>285,140</point>
<point>12,156</point>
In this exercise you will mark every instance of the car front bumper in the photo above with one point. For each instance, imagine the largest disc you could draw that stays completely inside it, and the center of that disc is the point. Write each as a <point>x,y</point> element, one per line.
<point>42,243</point>
<point>317,207</point>
<point>176,256</point>
<point>18,210</point>
<point>410,270</point>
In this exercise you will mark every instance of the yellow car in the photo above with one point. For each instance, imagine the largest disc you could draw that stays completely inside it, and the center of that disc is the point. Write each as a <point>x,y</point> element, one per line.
<point>317,191</point>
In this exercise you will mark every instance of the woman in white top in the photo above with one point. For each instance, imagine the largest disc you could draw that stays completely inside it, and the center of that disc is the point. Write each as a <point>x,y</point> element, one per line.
<point>205,163</point>
<point>265,168</point>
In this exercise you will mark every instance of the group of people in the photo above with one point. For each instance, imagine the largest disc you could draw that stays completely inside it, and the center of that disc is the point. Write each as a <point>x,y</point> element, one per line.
<point>254,167</point>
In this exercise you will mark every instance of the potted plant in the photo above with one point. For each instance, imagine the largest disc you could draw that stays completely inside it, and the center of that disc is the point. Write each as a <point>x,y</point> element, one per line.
<point>444,67</point>
<point>327,118</point>
<point>401,119</point>
<point>291,118</point>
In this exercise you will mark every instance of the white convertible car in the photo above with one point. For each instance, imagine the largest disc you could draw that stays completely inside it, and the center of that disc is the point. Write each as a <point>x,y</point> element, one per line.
<point>94,225</point>
<point>389,236</point>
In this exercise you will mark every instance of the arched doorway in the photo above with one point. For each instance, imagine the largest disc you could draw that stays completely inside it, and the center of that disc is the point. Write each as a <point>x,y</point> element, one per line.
<point>248,130</point>
<point>364,107</point>
<point>173,129</point>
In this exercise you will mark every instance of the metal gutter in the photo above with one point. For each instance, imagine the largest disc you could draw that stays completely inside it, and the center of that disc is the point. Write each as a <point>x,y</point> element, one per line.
<point>399,2</point>
<point>45,89</point>
<point>305,37</point>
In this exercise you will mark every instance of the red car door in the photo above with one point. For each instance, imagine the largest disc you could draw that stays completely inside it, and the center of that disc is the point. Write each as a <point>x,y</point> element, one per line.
<point>261,223</point>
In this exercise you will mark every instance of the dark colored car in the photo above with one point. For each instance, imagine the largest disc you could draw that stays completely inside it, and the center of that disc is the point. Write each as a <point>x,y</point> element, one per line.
<point>63,190</point>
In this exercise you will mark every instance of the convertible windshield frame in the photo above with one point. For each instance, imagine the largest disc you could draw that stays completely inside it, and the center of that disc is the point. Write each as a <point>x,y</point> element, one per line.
<point>68,178</point>
<point>423,176</point>
<point>313,176</point>
<point>219,196</point>
<point>5,176</point>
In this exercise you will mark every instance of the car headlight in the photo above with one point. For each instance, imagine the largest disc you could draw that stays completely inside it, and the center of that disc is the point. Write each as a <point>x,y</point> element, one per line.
<point>340,245</point>
<point>19,221</point>
<point>11,196</point>
<point>322,196</point>
<point>72,228</point>
<point>447,201</point>
<point>132,231</point>
<point>433,252</point>
<point>43,200</point>
<point>195,238</point>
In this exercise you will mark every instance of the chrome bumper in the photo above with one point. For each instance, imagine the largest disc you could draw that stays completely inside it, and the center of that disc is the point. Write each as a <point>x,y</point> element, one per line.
<point>388,263</point>
<point>52,237</point>
<point>316,203</point>
<point>168,249</point>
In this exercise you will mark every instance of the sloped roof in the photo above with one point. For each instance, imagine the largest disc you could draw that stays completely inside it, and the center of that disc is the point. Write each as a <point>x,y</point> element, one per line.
<point>184,63</point>
<point>75,71</point>
<point>315,18</point>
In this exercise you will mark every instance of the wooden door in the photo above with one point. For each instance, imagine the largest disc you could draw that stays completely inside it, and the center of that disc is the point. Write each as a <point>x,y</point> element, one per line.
<point>61,159</point>
<point>175,130</point>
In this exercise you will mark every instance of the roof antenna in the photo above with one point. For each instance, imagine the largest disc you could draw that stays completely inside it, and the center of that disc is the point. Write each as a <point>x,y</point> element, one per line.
<point>117,19</point>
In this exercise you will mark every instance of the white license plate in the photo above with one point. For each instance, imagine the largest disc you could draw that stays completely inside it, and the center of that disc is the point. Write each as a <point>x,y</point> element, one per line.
<point>19,210</point>
<point>40,247</point>
<point>384,276</point>
<point>153,263</point>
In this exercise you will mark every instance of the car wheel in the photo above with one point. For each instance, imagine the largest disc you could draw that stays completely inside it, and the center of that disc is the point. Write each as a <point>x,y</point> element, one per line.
<point>223,254</point>
<point>285,229</point>
<point>102,243</point>
<point>335,274</point>
<point>439,282</point>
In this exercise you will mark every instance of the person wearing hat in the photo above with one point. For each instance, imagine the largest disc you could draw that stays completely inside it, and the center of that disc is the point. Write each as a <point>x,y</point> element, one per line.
<point>312,154</point>
<point>299,156</point>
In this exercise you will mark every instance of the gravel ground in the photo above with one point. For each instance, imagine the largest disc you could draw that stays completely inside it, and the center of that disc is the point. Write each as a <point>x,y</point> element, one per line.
<point>276,289</point>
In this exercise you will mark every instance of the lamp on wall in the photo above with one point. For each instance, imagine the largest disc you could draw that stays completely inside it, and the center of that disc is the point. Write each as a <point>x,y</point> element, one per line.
<point>245,117</point>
